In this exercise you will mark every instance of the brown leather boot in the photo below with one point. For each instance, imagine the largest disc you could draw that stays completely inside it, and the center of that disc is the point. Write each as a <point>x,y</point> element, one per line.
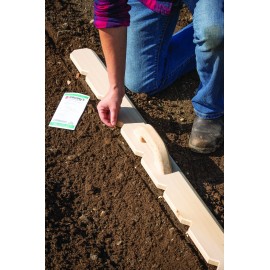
<point>206,135</point>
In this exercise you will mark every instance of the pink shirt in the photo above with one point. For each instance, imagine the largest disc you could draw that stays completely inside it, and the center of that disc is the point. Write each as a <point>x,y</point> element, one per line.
<point>114,13</point>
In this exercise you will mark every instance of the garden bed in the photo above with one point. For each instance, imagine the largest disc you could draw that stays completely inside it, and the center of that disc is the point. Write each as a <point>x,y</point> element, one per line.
<point>102,210</point>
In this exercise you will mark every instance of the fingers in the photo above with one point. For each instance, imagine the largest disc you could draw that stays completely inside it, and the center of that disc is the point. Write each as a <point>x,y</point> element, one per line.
<point>104,114</point>
<point>107,115</point>
<point>108,108</point>
<point>113,115</point>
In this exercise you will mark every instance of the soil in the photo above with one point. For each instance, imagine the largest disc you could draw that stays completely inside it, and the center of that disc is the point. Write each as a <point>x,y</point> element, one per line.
<point>102,209</point>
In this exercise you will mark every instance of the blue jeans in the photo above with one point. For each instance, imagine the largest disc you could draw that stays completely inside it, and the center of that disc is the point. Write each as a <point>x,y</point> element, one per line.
<point>156,57</point>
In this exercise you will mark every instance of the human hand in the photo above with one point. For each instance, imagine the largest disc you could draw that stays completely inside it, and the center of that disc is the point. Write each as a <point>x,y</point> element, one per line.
<point>108,108</point>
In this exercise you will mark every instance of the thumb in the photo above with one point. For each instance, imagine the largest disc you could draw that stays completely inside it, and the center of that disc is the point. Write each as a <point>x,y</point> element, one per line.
<point>113,116</point>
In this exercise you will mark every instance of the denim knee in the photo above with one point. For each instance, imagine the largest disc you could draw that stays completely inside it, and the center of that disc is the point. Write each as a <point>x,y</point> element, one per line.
<point>208,23</point>
<point>214,36</point>
<point>134,84</point>
<point>140,84</point>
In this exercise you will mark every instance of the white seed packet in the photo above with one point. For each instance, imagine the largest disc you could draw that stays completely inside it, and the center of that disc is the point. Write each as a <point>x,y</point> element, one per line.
<point>69,111</point>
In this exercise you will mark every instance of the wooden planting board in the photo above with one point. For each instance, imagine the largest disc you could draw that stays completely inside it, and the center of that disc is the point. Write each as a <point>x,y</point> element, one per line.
<point>204,230</point>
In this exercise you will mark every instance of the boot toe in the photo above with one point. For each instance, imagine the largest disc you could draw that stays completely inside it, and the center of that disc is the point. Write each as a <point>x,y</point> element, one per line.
<point>206,135</point>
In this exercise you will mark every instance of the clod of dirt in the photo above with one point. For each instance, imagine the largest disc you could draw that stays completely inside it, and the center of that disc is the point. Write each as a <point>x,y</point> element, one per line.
<point>93,257</point>
<point>83,219</point>
<point>102,213</point>
<point>143,96</point>
<point>107,140</point>
<point>90,109</point>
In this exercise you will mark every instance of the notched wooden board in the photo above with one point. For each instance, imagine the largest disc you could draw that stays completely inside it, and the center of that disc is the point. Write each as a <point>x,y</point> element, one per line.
<point>204,229</point>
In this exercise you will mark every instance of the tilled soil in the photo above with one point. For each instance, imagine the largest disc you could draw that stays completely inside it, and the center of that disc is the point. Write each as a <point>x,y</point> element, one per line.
<point>102,209</point>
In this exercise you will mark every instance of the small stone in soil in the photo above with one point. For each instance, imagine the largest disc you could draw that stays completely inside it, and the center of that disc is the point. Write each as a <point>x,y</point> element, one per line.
<point>93,257</point>
<point>83,219</point>
<point>171,230</point>
<point>107,141</point>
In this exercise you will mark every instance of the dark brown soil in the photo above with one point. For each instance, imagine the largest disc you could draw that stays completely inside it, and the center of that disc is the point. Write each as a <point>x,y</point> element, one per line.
<point>102,210</point>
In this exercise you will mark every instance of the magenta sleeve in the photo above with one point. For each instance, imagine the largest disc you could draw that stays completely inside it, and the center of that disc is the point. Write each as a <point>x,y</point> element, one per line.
<point>111,13</point>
